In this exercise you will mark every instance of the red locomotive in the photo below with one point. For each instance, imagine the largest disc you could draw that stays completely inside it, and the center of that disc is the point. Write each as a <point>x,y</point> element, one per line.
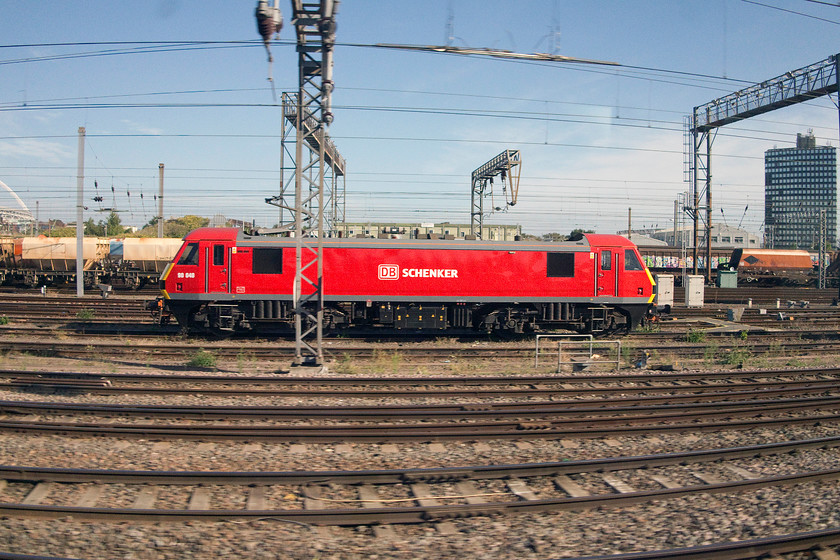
<point>223,280</point>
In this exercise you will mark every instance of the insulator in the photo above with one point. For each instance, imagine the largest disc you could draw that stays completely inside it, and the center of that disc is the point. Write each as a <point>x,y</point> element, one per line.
<point>269,20</point>
<point>327,27</point>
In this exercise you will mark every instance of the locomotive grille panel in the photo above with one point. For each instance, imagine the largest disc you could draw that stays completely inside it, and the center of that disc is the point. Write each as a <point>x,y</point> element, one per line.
<point>421,317</point>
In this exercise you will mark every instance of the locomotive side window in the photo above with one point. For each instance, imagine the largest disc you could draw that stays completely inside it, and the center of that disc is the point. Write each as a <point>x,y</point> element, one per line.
<point>268,261</point>
<point>190,254</point>
<point>631,261</point>
<point>606,260</point>
<point>218,255</point>
<point>560,265</point>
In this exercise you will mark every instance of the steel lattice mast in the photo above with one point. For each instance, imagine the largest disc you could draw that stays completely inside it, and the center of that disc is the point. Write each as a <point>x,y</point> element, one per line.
<point>314,24</point>
<point>315,29</point>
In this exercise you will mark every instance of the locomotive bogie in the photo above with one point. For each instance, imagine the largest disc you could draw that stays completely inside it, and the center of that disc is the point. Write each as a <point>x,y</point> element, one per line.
<point>222,280</point>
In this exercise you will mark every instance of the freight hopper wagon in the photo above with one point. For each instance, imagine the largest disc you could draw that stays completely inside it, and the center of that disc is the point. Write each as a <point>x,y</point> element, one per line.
<point>225,281</point>
<point>773,267</point>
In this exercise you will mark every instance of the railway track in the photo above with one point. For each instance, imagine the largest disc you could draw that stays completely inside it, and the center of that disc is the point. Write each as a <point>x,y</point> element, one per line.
<point>626,386</point>
<point>812,544</point>
<point>400,496</point>
<point>761,296</point>
<point>570,412</point>
<point>544,412</point>
<point>127,313</point>
<point>94,347</point>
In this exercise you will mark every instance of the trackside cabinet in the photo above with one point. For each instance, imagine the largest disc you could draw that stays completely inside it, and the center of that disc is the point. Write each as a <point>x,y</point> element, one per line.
<point>664,290</point>
<point>694,288</point>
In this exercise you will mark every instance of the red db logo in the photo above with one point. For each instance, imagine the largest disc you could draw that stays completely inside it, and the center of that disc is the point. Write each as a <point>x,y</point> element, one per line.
<point>389,272</point>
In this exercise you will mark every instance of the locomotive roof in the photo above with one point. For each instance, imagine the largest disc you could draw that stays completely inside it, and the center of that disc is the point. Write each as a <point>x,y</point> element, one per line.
<point>589,240</point>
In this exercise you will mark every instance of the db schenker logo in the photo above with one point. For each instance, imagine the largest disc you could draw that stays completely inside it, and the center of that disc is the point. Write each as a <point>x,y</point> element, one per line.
<point>389,272</point>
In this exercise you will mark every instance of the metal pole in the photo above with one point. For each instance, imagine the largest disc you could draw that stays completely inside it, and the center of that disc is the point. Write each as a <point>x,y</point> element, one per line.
<point>296,292</point>
<point>629,222</point>
<point>709,207</point>
<point>160,201</point>
<point>676,211</point>
<point>80,207</point>
<point>696,201</point>
<point>822,244</point>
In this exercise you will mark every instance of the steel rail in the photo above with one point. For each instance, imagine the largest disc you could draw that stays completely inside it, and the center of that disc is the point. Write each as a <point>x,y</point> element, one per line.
<point>412,514</point>
<point>697,391</point>
<point>68,348</point>
<point>755,549</point>
<point>581,428</point>
<point>520,410</point>
<point>581,378</point>
<point>401,476</point>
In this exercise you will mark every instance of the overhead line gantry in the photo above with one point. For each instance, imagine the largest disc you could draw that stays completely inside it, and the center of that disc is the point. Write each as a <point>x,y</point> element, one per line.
<point>701,126</point>
<point>505,166</point>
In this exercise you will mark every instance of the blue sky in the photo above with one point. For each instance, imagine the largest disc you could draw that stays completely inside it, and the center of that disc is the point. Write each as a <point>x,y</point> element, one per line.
<point>594,140</point>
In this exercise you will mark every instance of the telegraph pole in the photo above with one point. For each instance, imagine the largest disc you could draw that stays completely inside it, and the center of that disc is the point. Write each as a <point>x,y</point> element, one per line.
<point>160,201</point>
<point>80,216</point>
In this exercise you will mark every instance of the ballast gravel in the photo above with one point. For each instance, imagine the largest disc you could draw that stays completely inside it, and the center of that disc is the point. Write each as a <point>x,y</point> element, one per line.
<point>682,522</point>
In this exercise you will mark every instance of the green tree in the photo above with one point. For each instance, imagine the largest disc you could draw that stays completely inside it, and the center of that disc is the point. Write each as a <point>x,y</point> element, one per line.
<point>578,234</point>
<point>174,227</point>
<point>110,227</point>
<point>66,231</point>
<point>113,225</point>
<point>94,229</point>
<point>179,227</point>
<point>553,237</point>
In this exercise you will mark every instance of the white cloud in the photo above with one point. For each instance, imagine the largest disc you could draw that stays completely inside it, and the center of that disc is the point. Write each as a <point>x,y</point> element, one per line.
<point>141,128</point>
<point>51,152</point>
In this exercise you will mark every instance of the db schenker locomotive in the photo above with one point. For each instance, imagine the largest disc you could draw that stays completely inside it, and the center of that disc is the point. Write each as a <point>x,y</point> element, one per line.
<point>223,280</point>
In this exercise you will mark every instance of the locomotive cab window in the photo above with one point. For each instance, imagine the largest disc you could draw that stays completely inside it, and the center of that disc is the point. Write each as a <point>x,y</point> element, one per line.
<point>606,260</point>
<point>631,261</point>
<point>218,255</point>
<point>560,265</point>
<point>190,254</point>
<point>267,261</point>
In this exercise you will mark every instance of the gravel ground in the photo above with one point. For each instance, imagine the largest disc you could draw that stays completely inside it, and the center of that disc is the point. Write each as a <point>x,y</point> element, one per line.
<point>691,521</point>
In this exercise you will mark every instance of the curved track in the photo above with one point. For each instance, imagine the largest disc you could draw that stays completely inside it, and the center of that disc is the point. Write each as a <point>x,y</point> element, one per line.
<point>396,496</point>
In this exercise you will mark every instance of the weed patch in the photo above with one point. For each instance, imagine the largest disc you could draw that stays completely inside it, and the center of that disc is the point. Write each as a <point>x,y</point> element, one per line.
<point>202,359</point>
<point>85,314</point>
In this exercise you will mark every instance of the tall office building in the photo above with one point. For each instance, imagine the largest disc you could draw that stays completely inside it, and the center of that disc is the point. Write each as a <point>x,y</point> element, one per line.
<point>799,183</point>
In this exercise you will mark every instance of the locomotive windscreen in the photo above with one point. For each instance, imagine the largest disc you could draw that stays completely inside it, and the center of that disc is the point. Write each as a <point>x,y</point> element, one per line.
<point>631,261</point>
